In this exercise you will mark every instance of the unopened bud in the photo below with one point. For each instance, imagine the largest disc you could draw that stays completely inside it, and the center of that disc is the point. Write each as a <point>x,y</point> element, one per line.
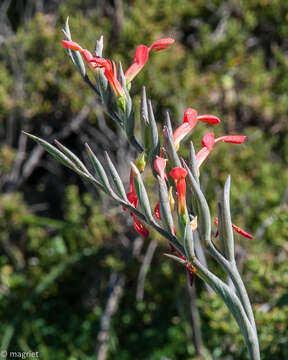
<point>141,162</point>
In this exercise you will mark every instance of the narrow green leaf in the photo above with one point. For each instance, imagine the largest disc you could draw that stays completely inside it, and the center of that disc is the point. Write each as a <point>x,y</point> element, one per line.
<point>78,163</point>
<point>53,151</point>
<point>175,258</point>
<point>193,162</point>
<point>100,171</point>
<point>154,138</point>
<point>189,241</point>
<point>225,222</point>
<point>116,178</point>
<point>204,212</point>
<point>168,137</point>
<point>67,29</point>
<point>144,121</point>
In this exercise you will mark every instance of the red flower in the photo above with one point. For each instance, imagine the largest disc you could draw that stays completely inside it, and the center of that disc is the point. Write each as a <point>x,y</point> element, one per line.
<point>142,54</point>
<point>190,120</point>
<point>133,199</point>
<point>109,67</point>
<point>140,59</point>
<point>237,229</point>
<point>75,46</point>
<point>139,227</point>
<point>110,73</point>
<point>208,142</point>
<point>179,174</point>
<point>159,166</point>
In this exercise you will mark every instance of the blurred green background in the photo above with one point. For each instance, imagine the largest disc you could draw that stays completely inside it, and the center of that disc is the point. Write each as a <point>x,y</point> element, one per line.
<point>76,281</point>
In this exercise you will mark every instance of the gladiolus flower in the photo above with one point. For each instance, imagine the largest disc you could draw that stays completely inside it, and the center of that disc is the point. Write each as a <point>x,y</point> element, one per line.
<point>159,166</point>
<point>133,199</point>
<point>237,229</point>
<point>110,73</point>
<point>142,54</point>
<point>140,59</point>
<point>179,174</point>
<point>208,142</point>
<point>190,120</point>
<point>139,227</point>
<point>109,67</point>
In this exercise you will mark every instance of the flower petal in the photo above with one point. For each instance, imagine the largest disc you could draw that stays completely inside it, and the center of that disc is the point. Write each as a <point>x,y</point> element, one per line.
<point>208,141</point>
<point>190,117</point>
<point>202,155</point>
<point>86,55</point>
<point>235,139</point>
<point>140,228</point>
<point>209,119</point>
<point>188,123</point>
<point>159,166</point>
<point>178,173</point>
<point>161,44</point>
<point>110,73</point>
<point>71,45</point>
<point>140,59</point>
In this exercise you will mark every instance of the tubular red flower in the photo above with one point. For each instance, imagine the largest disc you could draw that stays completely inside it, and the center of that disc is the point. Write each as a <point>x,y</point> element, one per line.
<point>159,166</point>
<point>110,73</point>
<point>208,142</point>
<point>140,59</point>
<point>161,44</point>
<point>71,45</point>
<point>209,119</point>
<point>179,174</point>
<point>109,67</point>
<point>235,139</point>
<point>133,199</point>
<point>139,227</point>
<point>142,54</point>
<point>237,229</point>
<point>190,120</point>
